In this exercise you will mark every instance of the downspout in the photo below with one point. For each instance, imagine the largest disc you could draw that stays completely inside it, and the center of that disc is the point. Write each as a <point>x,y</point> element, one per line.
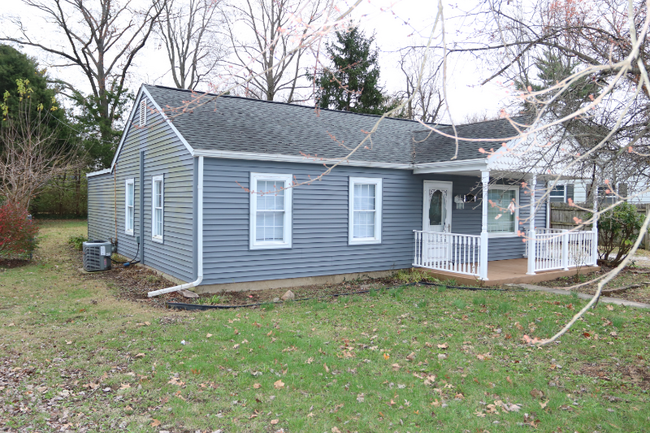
<point>199,243</point>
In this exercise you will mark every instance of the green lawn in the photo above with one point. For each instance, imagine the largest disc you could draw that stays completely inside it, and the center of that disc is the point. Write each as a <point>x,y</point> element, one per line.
<point>412,359</point>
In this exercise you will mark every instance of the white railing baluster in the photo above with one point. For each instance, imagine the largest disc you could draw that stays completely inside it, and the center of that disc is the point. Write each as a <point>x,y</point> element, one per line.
<point>451,252</point>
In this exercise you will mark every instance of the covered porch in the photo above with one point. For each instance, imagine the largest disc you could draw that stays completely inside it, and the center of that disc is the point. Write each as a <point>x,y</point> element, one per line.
<point>510,272</point>
<point>546,253</point>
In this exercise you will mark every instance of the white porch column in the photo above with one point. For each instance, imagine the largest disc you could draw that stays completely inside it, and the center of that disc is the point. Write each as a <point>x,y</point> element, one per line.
<point>531,230</point>
<point>483,265</point>
<point>594,229</point>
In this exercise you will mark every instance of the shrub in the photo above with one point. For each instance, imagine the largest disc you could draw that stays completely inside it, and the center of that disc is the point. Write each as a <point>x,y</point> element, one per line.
<point>17,231</point>
<point>77,241</point>
<point>617,231</point>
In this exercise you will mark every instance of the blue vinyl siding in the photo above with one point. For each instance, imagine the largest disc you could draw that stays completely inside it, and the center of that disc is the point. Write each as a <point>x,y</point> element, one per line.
<point>101,222</point>
<point>320,223</point>
<point>164,154</point>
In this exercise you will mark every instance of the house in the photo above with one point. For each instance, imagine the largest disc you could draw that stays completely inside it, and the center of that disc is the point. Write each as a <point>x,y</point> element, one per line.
<point>636,188</point>
<point>200,190</point>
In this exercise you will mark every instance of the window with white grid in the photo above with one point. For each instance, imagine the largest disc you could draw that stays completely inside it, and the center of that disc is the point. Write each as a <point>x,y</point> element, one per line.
<point>558,194</point>
<point>157,206</point>
<point>365,211</point>
<point>129,210</point>
<point>270,211</point>
<point>503,209</point>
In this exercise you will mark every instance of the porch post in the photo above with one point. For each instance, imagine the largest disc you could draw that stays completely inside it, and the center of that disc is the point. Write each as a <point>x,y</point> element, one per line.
<point>483,263</point>
<point>531,230</point>
<point>594,229</point>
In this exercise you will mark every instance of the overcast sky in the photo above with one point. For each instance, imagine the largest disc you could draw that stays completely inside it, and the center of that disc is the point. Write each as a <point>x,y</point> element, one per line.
<point>395,23</point>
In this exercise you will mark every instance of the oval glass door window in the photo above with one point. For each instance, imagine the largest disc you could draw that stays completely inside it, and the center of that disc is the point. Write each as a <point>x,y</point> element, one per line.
<point>436,209</point>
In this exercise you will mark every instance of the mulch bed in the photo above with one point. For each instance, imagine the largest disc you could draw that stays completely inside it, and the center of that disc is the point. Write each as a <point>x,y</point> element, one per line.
<point>627,276</point>
<point>13,263</point>
<point>134,282</point>
<point>638,375</point>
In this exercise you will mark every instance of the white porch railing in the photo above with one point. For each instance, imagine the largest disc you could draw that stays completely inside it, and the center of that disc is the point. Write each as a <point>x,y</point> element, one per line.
<point>562,249</point>
<point>449,252</point>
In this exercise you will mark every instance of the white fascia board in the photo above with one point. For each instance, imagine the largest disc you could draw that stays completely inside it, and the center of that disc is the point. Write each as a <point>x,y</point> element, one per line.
<point>129,123</point>
<point>478,164</point>
<point>100,172</point>
<point>127,126</point>
<point>224,154</point>
<point>169,122</point>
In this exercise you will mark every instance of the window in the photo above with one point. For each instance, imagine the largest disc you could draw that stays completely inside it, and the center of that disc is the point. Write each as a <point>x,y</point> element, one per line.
<point>558,194</point>
<point>157,206</point>
<point>607,194</point>
<point>503,209</point>
<point>143,112</point>
<point>129,213</point>
<point>270,211</point>
<point>364,226</point>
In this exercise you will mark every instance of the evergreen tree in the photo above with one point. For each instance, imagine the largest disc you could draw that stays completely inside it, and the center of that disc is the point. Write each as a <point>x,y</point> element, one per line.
<point>352,83</point>
<point>15,66</point>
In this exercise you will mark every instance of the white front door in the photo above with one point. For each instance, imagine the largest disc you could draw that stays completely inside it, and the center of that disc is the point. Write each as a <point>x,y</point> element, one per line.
<point>436,220</point>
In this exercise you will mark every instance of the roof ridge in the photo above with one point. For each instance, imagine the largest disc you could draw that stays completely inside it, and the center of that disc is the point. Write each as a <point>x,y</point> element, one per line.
<point>278,102</point>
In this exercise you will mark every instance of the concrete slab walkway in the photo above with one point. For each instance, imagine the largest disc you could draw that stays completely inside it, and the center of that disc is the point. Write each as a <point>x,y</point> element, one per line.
<point>604,299</point>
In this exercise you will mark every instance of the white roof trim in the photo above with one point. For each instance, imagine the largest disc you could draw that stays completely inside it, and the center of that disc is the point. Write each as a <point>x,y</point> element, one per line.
<point>169,122</point>
<point>446,166</point>
<point>296,159</point>
<point>129,123</point>
<point>127,127</point>
<point>100,172</point>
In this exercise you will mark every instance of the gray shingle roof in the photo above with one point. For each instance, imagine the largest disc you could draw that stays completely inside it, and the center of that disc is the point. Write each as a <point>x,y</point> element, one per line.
<point>237,124</point>
<point>433,147</point>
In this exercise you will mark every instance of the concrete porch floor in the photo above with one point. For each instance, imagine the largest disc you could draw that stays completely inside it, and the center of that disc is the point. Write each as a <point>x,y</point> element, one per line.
<point>510,272</point>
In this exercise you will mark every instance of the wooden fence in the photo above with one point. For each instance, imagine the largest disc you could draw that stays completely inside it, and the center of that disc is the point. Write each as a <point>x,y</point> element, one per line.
<point>562,216</point>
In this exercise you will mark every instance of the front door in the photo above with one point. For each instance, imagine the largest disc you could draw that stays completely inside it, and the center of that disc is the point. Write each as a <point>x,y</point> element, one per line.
<point>436,221</point>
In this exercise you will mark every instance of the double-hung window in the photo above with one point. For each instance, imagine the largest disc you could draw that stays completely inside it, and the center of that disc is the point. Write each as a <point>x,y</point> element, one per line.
<point>157,208</point>
<point>558,194</point>
<point>270,211</point>
<point>364,225</point>
<point>129,210</point>
<point>503,209</point>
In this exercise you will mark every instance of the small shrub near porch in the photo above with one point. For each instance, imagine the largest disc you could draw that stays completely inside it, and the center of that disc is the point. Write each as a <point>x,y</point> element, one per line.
<point>618,228</point>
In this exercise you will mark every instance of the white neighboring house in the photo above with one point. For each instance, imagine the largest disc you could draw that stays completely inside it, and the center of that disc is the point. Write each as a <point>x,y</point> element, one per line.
<point>577,191</point>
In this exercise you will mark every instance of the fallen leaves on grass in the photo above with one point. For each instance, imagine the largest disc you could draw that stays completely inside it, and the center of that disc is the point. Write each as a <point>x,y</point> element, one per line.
<point>176,381</point>
<point>536,393</point>
<point>443,346</point>
<point>257,386</point>
<point>278,384</point>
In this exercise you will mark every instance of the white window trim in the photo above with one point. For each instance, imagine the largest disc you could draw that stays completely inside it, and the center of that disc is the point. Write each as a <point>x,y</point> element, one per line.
<point>376,239</point>
<point>564,197</point>
<point>143,112</point>
<point>516,229</point>
<point>286,180</point>
<point>154,179</point>
<point>126,207</point>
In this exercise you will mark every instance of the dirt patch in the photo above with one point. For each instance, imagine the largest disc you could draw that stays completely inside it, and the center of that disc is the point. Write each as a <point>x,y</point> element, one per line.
<point>627,277</point>
<point>635,375</point>
<point>13,263</point>
<point>309,292</point>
